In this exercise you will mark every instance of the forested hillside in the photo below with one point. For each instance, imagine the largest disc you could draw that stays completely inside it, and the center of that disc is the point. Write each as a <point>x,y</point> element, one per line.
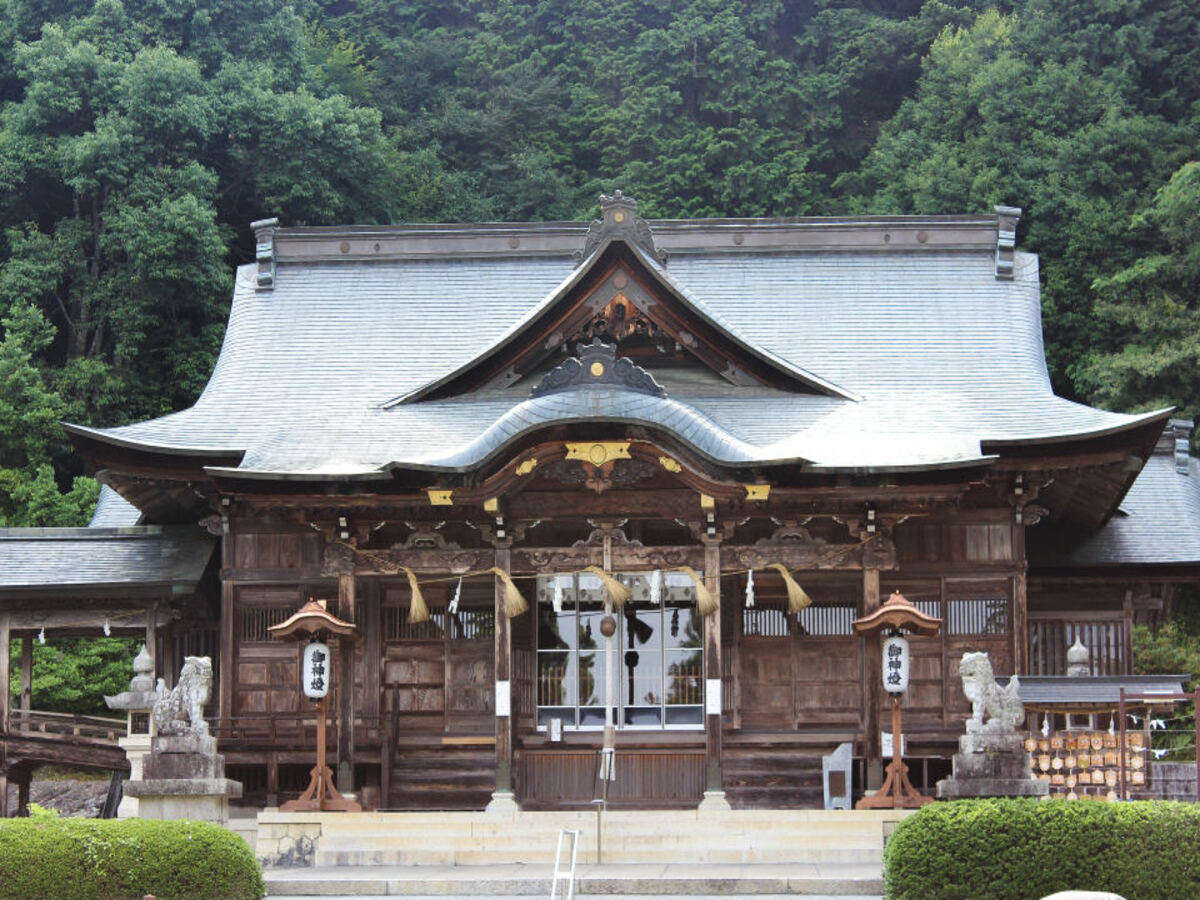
<point>138,139</point>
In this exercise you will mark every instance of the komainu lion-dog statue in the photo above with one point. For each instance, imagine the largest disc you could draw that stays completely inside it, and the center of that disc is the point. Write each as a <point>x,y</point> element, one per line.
<point>181,709</point>
<point>993,708</point>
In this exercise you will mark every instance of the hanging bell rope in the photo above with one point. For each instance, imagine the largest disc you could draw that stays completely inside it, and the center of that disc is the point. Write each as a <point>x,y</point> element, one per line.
<point>618,593</point>
<point>706,603</point>
<point>418,610</point>
<point>514,603</point>
<point>797,599</point>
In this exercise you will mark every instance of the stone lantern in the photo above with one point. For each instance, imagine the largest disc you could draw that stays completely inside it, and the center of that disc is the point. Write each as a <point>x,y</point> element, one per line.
<point>136,703</point>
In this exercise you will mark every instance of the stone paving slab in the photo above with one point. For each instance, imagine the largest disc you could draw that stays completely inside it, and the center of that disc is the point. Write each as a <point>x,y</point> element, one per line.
<point>832,879</point>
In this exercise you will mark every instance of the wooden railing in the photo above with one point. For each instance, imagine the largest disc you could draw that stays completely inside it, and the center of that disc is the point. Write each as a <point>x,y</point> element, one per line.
<point>64,725</point>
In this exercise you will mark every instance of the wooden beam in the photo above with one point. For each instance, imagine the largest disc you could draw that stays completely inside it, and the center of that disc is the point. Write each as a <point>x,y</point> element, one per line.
<point>228,672</point>
<point>503,664</point>
<point>714,777</point>
<point>347,608</point>
<point>1020,605</point>
<point>152,638</point>
<point>5,641</point>
<point>121,619</point>
<point>873,687</point>
<point>27,671</point>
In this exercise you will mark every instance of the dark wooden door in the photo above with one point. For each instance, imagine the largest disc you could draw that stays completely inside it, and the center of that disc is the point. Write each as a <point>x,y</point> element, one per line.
<point>470,686</point>
<point>768,680</point>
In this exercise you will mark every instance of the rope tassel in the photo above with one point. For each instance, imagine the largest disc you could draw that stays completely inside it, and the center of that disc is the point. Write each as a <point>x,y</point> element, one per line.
<point>618,593</point>
<point>706,603</point>
<point>418,611</point>
<point>797,599</point>
<point>514,603</point>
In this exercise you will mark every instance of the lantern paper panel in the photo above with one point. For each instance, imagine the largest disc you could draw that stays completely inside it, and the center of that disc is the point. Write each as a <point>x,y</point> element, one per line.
<point>896,664</point>
<point>314,671</point>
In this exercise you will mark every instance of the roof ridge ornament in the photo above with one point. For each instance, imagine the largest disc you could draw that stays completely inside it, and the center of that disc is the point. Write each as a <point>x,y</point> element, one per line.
<point>1006,241</point>
<point>619,220</point>
<point>598,366</point>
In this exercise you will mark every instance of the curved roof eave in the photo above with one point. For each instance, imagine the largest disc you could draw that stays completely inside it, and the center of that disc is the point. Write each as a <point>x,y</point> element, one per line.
<point>1134,421</point>
<point>660,275</point>
<point>105,436</point>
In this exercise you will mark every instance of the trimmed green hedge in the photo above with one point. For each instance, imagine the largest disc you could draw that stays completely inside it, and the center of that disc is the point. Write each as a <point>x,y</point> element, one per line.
<point>115,859</point>
<point>1019,849</point>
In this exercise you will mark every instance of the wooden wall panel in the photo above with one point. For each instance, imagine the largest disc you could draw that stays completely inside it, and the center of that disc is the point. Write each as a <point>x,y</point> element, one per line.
<point>645,778</point>
<point>954,542</point>
<point>276,550</point>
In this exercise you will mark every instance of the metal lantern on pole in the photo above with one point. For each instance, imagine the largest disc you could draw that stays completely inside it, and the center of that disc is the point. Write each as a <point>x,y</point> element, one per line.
<point>891,622</point>
<point>315,625</point>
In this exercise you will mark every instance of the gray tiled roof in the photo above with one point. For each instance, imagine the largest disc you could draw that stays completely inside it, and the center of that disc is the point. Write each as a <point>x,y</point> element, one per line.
<point>1158,521</point>
<point>938,354</point>
<point>1044,690</point>
<point>82,558</point>
<point>113,510</point>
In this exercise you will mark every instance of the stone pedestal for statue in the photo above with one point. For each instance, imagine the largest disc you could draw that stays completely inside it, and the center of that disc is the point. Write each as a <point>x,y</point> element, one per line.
<point>991,764</point>
<point>991,759</point>
<point>184,778</point>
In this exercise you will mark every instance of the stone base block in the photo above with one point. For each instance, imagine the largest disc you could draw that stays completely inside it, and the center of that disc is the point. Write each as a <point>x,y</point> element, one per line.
<point>206,799</point>
<point>204,744</point>
<point>503,803</point>
<point>714,801</point>
<point>991,763</point>
<point>956,789</point>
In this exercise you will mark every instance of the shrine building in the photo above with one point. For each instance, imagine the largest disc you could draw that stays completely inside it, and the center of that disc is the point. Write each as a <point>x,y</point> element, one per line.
<point>458,436</point>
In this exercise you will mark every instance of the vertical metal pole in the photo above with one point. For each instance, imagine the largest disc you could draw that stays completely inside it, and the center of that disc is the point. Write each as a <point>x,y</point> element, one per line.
<point>1121,739</point>
<point>610,673</point>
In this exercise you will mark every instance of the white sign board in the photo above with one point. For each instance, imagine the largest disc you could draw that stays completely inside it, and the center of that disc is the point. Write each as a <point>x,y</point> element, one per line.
<point>314,671</point>
<point>503,698</point>
<point>712,696</point>
<point>886,744</point>
<point>896,663</point>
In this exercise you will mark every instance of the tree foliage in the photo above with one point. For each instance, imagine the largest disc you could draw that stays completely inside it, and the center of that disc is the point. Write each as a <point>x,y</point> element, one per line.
<point>139,139</point>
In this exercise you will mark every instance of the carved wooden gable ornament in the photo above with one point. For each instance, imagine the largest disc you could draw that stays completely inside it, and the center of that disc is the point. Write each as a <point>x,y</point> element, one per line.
<point>620,291</point>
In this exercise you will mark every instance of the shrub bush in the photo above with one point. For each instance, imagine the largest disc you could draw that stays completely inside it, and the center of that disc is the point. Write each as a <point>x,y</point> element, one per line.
<point>95,859</point>
<point>1018,849</point>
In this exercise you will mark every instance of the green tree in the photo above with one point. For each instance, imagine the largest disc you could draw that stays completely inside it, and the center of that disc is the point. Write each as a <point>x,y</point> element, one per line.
<point>72,675</point>
<point>1151,354</point>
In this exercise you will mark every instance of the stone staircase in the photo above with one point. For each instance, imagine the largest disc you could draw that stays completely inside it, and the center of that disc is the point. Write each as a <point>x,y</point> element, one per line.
<point>657,852</point>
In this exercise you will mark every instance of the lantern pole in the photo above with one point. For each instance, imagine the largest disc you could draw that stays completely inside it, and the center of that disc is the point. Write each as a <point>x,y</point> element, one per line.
<point>314,623</point>
<point>894,618</point>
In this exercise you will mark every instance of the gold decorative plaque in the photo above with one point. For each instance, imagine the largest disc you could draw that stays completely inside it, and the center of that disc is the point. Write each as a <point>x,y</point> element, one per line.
<point>598,453</point>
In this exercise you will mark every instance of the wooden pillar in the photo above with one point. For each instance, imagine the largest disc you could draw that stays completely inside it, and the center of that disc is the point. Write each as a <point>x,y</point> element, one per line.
<point>347,608</point>
<point>152,637</point>
<point>1127,635</point>
<point>5,649</point>
<point>1020,604</point>
<point>24,777</point>
<point>27,671</point>
<point>714,776</point>
<point>227,636</point>
<point>503,649</point>
<point>873,689</point>
<point>272,779</point>
<point>5,633</point>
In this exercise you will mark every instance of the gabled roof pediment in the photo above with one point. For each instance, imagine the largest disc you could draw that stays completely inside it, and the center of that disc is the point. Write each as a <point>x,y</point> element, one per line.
<point>620,292</point>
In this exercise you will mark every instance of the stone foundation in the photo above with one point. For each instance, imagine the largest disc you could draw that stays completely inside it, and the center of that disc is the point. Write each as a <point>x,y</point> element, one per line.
<point>991,764</point>
<point>183,777</point>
